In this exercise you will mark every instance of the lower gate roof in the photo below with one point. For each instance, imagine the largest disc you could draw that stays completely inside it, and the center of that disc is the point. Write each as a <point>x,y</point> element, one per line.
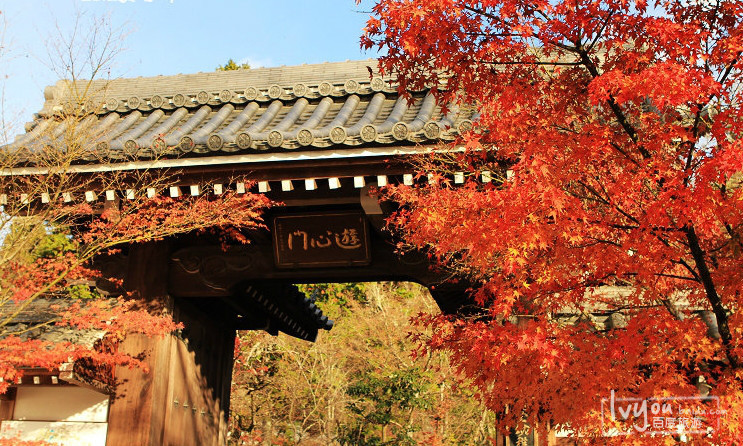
<point>330,109</point>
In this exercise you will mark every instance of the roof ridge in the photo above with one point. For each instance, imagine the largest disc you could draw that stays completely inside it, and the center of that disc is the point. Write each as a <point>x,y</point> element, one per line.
<point>322,76</point>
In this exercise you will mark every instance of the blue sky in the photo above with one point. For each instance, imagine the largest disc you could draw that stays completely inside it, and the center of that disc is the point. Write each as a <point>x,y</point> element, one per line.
<point>176,36</point>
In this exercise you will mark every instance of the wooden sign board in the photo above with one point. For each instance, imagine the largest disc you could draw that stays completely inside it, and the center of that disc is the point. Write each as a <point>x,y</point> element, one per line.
<point>321,240</point>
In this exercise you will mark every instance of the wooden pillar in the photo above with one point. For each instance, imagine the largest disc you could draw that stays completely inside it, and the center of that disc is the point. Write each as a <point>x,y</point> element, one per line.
<point>184,398</point>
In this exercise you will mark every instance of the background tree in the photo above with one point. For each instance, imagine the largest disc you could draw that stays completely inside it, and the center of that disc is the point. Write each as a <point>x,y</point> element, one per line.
<point>612,132</point>
<point>357,385</point>
<point>232,65</point>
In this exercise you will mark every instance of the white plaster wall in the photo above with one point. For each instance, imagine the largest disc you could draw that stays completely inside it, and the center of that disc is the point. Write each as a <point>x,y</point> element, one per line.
<point>65,415</point>
<point>63,403</point>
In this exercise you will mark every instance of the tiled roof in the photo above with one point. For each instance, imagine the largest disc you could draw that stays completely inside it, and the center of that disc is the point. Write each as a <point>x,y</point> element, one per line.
<point>298,108</point>
<point>36,321</point>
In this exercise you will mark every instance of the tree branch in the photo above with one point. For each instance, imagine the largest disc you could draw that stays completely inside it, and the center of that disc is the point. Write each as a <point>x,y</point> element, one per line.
<point>618,113</point>
<point>714,299</point>
<point>556,64</point>
<point>600,31</point>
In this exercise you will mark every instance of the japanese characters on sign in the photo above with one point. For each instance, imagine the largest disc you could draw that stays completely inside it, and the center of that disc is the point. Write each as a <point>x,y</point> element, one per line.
<point>318,240</point>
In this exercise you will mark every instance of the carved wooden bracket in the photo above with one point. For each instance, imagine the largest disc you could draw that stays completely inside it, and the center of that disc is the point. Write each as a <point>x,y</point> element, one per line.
<point>207,269</point>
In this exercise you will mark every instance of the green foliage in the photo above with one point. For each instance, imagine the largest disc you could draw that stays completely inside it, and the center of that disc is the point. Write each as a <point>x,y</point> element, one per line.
<point>231,65</point>
<point>384,401</point>
<point>22,236</point>
<point>53,245</point>
<point>400,389</point>
<point>56,244</point>
<point>341,294</point>
<point>405,292</point>
<point>34,240</point>
<point>29,239</point>
<point>82,291</point>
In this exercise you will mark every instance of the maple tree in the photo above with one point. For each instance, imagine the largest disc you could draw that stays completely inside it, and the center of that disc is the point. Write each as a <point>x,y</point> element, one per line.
<point>611,130</point>
<point>56,222</point>
<point>64,275</point>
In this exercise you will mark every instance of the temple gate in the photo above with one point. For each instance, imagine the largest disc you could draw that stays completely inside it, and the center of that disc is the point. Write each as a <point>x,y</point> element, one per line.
<point>319,139</point>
